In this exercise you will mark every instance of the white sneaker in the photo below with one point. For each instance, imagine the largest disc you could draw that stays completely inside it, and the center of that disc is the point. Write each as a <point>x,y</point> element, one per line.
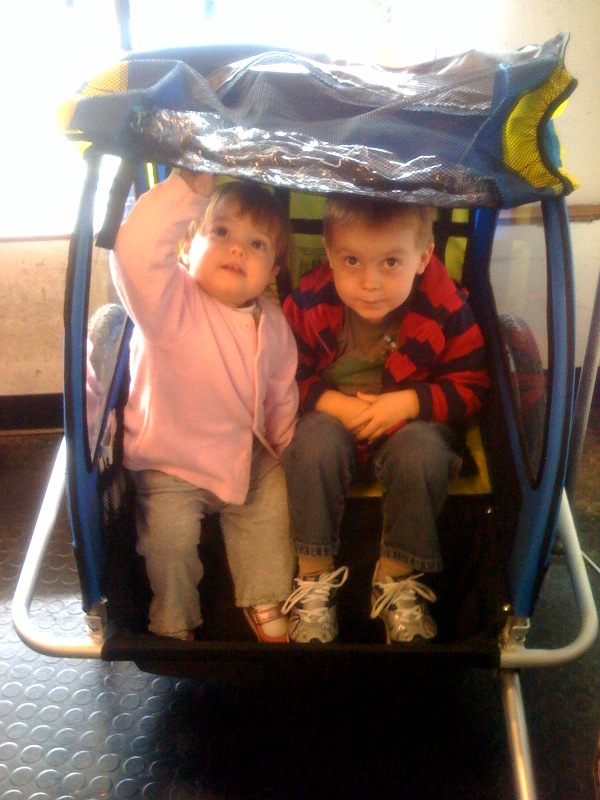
<point>402,604</point>
<point>311,607</point>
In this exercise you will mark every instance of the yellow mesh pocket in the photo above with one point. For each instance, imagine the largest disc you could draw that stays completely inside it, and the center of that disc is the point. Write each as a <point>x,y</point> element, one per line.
<point>110,81</point>
<point>520,135</point>
<point>456,247</point>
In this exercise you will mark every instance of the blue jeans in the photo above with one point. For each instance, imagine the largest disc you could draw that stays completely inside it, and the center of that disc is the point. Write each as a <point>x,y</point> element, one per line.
<point>414,467</point>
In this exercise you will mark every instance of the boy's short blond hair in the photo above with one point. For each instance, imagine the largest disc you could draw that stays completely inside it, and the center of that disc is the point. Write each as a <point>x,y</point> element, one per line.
<point>345,209</point>
<point>260,204</point>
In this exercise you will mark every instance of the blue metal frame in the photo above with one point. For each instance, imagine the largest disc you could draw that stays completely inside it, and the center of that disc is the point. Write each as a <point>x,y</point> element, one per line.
<point>536,525</point>
<point>82,465</point>
<point>539,514</point>
<point>81,476</point>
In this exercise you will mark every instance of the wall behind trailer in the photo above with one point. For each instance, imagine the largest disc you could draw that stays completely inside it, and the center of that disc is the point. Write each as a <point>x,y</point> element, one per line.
<point>506,25</point>
<point>32,271</point>
<point>32,279</point>
<point>32,286</point>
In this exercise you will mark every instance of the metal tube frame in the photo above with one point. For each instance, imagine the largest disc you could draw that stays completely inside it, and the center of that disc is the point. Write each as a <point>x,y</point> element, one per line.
<point>46,642</point>
<point>515,656</point>
<point>584,396</point>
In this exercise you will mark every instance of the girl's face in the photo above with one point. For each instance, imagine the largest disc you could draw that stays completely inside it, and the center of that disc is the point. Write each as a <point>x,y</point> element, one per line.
<point>374,269</point>
<point>232,258</point>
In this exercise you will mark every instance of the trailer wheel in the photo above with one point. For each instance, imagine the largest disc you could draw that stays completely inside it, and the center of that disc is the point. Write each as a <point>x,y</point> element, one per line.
<point>528,381</point>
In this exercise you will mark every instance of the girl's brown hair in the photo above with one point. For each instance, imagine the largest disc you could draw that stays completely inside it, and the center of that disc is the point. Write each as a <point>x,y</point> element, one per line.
<point>260,204</point>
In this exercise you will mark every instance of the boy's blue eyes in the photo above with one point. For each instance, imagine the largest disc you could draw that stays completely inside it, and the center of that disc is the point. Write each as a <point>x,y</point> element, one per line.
<point>387,265</point>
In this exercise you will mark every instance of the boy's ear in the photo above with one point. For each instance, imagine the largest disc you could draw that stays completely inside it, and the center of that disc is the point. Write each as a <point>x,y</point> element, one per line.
<point>425,259</point>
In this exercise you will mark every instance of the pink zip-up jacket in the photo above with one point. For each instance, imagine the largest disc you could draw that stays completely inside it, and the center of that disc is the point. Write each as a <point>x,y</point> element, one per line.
<point>204,379</point>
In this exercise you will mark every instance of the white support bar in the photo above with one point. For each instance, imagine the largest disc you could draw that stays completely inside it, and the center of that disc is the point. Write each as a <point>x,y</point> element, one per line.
<point>516,656</point>
<point>511,657</point>
<point>43,641</point>
<point>518,738</point>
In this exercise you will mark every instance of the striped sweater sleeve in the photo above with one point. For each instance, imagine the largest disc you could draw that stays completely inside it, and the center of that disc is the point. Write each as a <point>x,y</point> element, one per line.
<point>314,313</point>
<point>459,380</point>
<point>443,354</point>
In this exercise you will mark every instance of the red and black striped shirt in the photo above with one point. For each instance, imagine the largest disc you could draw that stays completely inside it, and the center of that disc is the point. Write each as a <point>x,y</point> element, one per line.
<point>440,352</point>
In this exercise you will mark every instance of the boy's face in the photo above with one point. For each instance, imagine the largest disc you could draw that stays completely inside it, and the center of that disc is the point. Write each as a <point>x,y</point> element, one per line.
<point>232,258</point>
<point>374,268</point>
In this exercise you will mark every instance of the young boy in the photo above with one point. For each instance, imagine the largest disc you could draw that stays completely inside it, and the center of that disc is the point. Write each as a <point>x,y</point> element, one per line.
<point>390,358</point>
<point>213,397</point>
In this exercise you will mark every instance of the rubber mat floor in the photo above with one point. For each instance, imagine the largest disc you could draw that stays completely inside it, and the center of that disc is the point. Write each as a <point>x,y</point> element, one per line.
<point>91,729</point>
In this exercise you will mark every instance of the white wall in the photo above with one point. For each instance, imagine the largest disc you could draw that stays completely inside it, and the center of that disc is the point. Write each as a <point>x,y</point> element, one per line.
<point>32,279</point>
<point>499,25</point>
<point>536,21</point>
<point>520,283</point>
<point>32,288</point>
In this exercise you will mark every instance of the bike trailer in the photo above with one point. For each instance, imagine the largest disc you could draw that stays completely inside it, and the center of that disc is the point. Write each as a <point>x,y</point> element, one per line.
<point>471,134</point>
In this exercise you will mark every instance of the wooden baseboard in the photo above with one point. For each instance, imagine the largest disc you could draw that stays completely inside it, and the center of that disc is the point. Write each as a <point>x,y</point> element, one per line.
<point>31,412</point>
<point>531,214</point>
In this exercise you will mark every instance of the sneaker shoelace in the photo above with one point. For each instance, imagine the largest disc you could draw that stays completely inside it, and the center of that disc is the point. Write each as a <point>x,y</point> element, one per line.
<point>315,595</point>
<point>403,595</point>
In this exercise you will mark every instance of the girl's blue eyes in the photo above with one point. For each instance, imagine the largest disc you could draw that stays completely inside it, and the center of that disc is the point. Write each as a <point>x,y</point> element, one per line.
<point>221,232</point>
